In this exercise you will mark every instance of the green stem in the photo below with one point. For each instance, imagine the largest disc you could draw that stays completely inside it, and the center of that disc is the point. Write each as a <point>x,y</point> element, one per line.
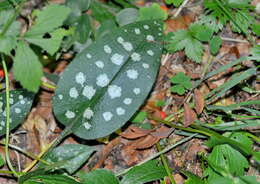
<point>47,85</point>
<point>26,153</point>
<point>165,164</point>
<point>7,156</point>
<point>10,172</point>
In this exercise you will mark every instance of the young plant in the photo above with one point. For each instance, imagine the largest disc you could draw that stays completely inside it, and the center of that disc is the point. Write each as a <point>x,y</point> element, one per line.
<point>181,83</point>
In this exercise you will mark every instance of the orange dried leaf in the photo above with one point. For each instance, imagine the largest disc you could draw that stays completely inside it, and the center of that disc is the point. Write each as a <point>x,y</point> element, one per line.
<point>189,115</point>
<point>199,101</point>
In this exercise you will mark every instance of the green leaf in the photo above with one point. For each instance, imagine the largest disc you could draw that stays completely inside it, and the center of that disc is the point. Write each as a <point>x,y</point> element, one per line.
<point>14,28</point>
<point>20,105</point>
<point>100,12</point>
<point>179,89</point>
<point>152,12</point>
<point>211,22</point>
<point>69,156</point>
<point>256,29</point>
<point>255,53</point>
<point>83,29</point>
<point>27,67</point>
<point>192,178</point>
<point>48,19</point>
<point>174,2</point>
<point>201,32</point>
<point>183,39</point>
<point>107,82</point>
<point>50,179</point>
<point>2,162</point>
<point>52,44</point>
<point>139,117</point>
<point>7,43</point>
<point>179,78</point>
<point>215,44</point>
<point>98,176</point>
<point>127,16</point>
<point>232,161</point>
<point>149,171</point>
<point>8,4</point>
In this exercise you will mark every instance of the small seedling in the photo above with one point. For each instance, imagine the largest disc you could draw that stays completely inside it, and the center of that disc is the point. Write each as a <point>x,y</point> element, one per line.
<point>181,83</point>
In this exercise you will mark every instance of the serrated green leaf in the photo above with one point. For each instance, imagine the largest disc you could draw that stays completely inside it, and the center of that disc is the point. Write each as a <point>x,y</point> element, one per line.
<point>149,171</point>
<point>27,67</point>
<point>183,39</point>
<point>20,105</point>
<point>98,176</point>
<point>152,12</point>
<point>211,22</point>
<point>187,84</point>
<point>255,53</point>
<point>139,117</point>
<point>107,82</point>
<point>174,2</point>
<point>69,156</point>
<point>52,44</point>
<point>14,28</point>
<point>48,19</point>
<point>215,44</point>
<point>232,161</point>
<point>201,32</point>
<point>179,89</point>
<point>179,78</point>
<point>256,29</point>
<point>127,16</point>
<point>7,43</point>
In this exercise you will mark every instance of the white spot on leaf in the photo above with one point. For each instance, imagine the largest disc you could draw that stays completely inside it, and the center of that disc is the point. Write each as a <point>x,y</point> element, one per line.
<point>107,49</point>
<point>120,40</point>
<point>17,110</point>
<point>127,101</point>
<point>117,59</point>
<point>137,91</point>
<point>120,111</point>
<point>20,97</point>
<point>11,100</point>
<point>149,38</point>
<point>73,93</point>
<point>132,74</point>
<point>102,80</point>
<point>87,125</point>
<point>114,91</point>
<point>22,102</point>
<point>88,56</point>
<point>80,78</point>
<point>146,27</point>
<point>88,92</point>
<point>88,113</point>
<point>137,31</point>
<point>145,65</point>
<point>150,52</point>
<point>107,116</point>
<point>70,114</point>
<point>128,46</point>
<point>60,97</point>
<point>136,57</point>
<point>99,64</point>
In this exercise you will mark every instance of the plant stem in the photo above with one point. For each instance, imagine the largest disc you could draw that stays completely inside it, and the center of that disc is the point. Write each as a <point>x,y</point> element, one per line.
<point>165,164</point>
<point>7,124</point>
<point>9,172</point>
<point>26,153</point>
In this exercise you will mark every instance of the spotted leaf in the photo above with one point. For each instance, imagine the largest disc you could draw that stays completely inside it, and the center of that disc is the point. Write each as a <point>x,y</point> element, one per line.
<point>20,104</point>
<point>107,82</point>
<point>69,156</point>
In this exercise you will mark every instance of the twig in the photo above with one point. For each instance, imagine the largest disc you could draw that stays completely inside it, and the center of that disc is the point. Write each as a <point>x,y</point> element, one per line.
<point>233,40</point>
<point>159,153</point>
<point>180,8</point>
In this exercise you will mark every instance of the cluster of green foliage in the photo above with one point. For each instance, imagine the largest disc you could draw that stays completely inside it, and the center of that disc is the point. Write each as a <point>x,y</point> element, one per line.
<point>127,45</point>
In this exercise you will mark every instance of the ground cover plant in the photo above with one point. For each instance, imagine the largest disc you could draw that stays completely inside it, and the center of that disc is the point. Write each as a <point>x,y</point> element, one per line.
<point>129,92</point>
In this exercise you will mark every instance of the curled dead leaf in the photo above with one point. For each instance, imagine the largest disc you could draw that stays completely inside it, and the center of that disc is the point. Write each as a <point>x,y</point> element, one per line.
<point>189,115</point>
<point>199,101</point>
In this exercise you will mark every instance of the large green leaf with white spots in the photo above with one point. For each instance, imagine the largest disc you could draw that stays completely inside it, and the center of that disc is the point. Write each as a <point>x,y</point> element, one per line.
<point>20,105</point>
<point>107,82</point>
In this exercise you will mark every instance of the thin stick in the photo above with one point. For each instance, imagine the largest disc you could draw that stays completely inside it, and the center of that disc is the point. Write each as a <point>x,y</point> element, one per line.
<point>233,40</point>
<point>165,150</point>
<point>180,8</point>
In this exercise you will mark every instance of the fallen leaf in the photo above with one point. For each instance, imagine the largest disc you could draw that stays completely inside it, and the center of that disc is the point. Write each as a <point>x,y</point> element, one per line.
<point>189,115</point>
<point>199,101</point>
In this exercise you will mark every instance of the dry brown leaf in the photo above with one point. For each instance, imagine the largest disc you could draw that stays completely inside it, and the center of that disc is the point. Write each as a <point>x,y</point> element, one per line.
<point>189,115</point>
<point>199,101</point>
<point>135,132</point>
<point>145,142</point>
